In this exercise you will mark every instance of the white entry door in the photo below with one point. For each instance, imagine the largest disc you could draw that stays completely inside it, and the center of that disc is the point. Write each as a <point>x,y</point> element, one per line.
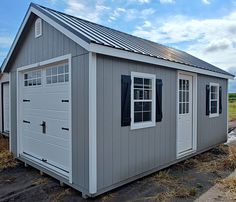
<point>46,131</point>
<point>5,107</point>
<point>185,115</point>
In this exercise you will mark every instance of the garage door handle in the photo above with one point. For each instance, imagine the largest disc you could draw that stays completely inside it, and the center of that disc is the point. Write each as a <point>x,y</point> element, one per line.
<point>65,129</point>
<point>64,100</point>
<point>26,100</point>
<point>43,127</point>
<point>24,121</point>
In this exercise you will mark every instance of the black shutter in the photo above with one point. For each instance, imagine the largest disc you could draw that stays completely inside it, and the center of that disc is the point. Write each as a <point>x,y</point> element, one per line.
<point>207,100</point>
<point>125,100</point>
<point>220,100</point>
<point>158,100</point>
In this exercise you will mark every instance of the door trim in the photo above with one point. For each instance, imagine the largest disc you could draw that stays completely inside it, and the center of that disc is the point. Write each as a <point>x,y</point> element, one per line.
<point>194,112</point>
<point>2,100</point>
<point>19,82</point>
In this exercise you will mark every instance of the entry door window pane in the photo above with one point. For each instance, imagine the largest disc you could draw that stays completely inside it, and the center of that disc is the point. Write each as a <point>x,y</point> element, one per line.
<point>183,96</point>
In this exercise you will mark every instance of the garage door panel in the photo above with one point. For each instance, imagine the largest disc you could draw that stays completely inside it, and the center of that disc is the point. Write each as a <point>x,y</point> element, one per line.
<point>32,146</point>
<point>47,103</point>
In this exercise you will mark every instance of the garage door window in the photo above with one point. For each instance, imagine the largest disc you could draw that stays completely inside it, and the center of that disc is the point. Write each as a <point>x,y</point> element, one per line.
<point>33,78</point>
<point>57,74</point>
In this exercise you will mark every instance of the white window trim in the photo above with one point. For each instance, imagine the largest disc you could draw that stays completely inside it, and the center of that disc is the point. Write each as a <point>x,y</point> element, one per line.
<point>215,114</point>
<point>38,20</point>
<point>149,123</point>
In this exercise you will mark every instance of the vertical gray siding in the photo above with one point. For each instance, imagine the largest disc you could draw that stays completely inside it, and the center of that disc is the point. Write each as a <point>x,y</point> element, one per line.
<point>211,130</point>
<point>124,153</point>
<point>53,44</point>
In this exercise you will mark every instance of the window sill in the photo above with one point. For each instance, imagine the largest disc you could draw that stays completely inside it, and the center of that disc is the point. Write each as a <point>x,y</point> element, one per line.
<point>135,126</point>
<point>213,115</point>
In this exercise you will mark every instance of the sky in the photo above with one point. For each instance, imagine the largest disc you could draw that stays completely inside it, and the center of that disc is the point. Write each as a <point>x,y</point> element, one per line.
<point>203,28</point>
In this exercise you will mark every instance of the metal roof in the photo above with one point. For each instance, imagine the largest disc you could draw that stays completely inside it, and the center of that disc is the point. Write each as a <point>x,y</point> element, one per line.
<point>95,33</point>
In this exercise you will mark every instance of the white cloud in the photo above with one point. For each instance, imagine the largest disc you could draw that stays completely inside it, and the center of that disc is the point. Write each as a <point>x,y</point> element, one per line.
<point>131,14</point>
<point>139,1</point>
<point>5,41</point>
<point>206,1</point>
<point>213,40</point>
<point>92,11</point>
<point>166,1</point>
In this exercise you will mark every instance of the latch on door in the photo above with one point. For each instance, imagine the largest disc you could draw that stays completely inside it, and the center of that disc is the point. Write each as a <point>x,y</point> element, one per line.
<point>43,127</point>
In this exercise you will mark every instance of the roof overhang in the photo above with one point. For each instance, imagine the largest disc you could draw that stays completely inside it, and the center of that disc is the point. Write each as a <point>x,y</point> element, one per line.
<point>101,49</point>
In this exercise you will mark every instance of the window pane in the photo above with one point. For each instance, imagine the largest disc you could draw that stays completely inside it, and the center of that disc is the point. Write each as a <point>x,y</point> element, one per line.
<point>138,94</point>
<point>147,106</point>
<point>187,96</point>
<point>180,96</point>
<point>187,84</point>
<point>147,116</point>
<point>183,84</point>
<point>38,81</point>
<point>184,108</point>
<point>137,117</point>
<point>213,96</point>
<point>54,71</point>
<point>138,82</point>
<point>33,75</point>
<point>30,82</point>
<point>49,80</point>
<point>180,84</point>
<point>187,107</point>
<point>138,106</point>
<point>54,79</point>
<point>66,77</point>
<point>34,82</point>
<point>26,83</point>
<point>66,69</point>
<point>147,83</point>
<point>183,96</point>
<point>61,78</point>
<point>48,72</point>
<point>61,69</point>
<point>147,94</point>
<point>213,107</point>
<point>180,108</point>
<point>38,74</point>
<point>25,76</point>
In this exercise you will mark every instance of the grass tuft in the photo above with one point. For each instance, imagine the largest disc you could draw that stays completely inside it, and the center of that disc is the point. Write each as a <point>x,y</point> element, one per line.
<point>6,158</point>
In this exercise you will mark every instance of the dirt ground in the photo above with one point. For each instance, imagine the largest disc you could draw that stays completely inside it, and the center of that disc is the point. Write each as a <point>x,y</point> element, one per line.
<point>207,177</point>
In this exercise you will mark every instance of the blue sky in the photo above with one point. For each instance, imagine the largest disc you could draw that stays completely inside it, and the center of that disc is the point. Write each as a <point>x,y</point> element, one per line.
<point>204,28</point>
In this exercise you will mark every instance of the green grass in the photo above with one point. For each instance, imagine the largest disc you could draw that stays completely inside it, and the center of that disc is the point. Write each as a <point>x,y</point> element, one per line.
<point>232,106</point>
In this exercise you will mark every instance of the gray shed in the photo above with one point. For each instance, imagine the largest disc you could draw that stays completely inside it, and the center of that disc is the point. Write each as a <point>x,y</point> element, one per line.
<point>97,108</point>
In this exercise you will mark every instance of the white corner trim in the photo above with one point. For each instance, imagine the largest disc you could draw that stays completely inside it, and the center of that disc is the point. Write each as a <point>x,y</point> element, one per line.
<point>227,106</point>
<point>10,133</point>
<point>152,123</point>
<point>92,123</point>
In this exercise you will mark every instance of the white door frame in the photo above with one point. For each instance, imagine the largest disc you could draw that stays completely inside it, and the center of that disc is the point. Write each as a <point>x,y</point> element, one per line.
<point>20,81</point>
<point>194,112</point>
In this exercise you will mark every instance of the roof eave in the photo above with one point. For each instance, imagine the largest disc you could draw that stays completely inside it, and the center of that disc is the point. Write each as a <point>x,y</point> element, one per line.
<point>105,50</point>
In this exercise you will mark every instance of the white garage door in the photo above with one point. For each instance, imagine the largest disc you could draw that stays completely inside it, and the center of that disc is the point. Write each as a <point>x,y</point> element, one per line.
<point>46,105</point>
<point>5,107</point>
